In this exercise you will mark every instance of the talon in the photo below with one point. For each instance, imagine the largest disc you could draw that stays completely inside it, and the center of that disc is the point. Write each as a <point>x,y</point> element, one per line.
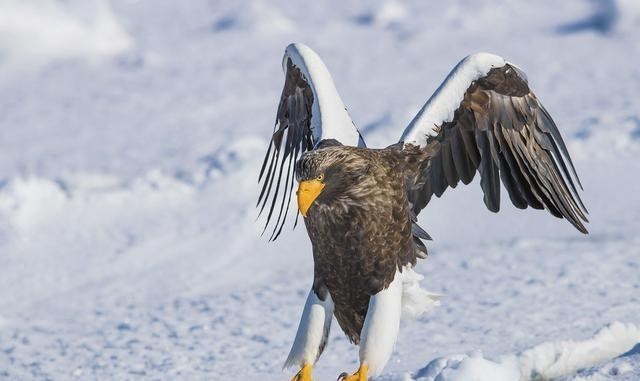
<point>359,375</point>
<point>304,374</point>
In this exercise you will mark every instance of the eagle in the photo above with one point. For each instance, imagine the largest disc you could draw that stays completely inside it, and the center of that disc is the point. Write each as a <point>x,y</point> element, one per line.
<point>360,204</point>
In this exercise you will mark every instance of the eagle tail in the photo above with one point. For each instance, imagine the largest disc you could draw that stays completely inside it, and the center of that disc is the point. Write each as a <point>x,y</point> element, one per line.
<point>415,299</point>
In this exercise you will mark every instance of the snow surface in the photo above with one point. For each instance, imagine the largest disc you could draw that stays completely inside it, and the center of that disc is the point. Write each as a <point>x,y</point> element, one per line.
<point>33,32</point>
<point>543,362</point>
<point>129,248</point>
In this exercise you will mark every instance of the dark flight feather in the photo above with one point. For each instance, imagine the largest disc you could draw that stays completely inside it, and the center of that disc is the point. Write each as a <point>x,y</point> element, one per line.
<point>501,130</point>
<point>291,138</point>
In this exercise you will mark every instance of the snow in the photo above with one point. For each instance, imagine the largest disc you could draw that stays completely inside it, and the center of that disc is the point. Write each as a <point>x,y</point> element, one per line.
<point>554,359</point>
<point>129,248</point>
<point>39,31</point>
<point>544,361</point>
<point>624,367</point>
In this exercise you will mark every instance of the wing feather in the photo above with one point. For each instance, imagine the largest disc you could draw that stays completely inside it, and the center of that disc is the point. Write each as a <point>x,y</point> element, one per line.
<point>448,165</point>
<point>485,118</point>
<point>464,167</point>
<point>310,111</point>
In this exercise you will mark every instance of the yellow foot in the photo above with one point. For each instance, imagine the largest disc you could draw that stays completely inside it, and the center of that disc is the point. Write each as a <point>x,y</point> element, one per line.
<point>304,374</point>
<point>360,375</point>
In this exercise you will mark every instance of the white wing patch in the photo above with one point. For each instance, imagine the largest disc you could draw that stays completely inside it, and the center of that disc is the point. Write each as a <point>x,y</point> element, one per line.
<point>310,111</point>
<point>330,119</point>
<point>440,108</point>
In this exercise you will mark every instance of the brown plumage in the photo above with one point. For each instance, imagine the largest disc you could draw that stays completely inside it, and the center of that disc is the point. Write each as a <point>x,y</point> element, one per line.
<point>504,133</point>
<point>356,248</point>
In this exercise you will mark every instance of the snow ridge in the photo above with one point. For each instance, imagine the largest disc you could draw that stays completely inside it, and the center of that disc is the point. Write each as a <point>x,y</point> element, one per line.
<point>545,361</point>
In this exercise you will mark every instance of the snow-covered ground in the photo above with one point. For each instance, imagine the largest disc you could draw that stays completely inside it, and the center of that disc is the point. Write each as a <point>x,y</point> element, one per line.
<point>131,133</point>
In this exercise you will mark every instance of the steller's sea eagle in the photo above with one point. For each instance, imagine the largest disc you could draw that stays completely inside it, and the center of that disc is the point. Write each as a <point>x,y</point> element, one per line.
<point>359,204</point>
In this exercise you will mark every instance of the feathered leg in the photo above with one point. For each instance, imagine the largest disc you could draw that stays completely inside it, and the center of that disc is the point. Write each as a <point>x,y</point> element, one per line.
<point>380,331</point>
<point>312,335</point>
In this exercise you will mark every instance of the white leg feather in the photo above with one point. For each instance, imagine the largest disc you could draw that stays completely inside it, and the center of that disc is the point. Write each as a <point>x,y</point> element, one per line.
<point>313,331</point>
<point>381,325</point>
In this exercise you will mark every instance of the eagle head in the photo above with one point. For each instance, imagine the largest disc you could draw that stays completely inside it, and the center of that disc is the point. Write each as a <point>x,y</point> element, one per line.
<point>327,174</point>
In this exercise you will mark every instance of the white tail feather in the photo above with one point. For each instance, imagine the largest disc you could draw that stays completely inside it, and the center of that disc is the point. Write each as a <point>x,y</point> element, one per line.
<point>415,299</point>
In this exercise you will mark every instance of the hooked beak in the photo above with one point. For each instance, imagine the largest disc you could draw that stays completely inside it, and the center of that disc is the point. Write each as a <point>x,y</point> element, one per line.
<point>307,193</point>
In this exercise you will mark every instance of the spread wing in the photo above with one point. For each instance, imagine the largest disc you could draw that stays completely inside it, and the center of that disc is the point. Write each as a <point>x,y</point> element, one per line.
<point>484,118</point>
<point>310,111</point>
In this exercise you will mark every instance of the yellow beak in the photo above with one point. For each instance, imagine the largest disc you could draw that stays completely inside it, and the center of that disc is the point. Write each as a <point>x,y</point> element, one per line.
<point>308,191</point>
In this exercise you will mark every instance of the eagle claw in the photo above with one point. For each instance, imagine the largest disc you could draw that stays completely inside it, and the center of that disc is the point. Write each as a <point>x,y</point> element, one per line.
<point>359,375</point>
<point>304,374</point>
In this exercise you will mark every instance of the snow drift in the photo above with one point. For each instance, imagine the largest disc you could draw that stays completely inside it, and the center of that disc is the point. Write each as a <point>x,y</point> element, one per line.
<point>545,361</point>
<point>35,32</point>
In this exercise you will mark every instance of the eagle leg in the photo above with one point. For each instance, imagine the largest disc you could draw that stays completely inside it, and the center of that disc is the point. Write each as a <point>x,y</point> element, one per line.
<point>359,375</point>
<point>380,330</point>
<point>312,334</point>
